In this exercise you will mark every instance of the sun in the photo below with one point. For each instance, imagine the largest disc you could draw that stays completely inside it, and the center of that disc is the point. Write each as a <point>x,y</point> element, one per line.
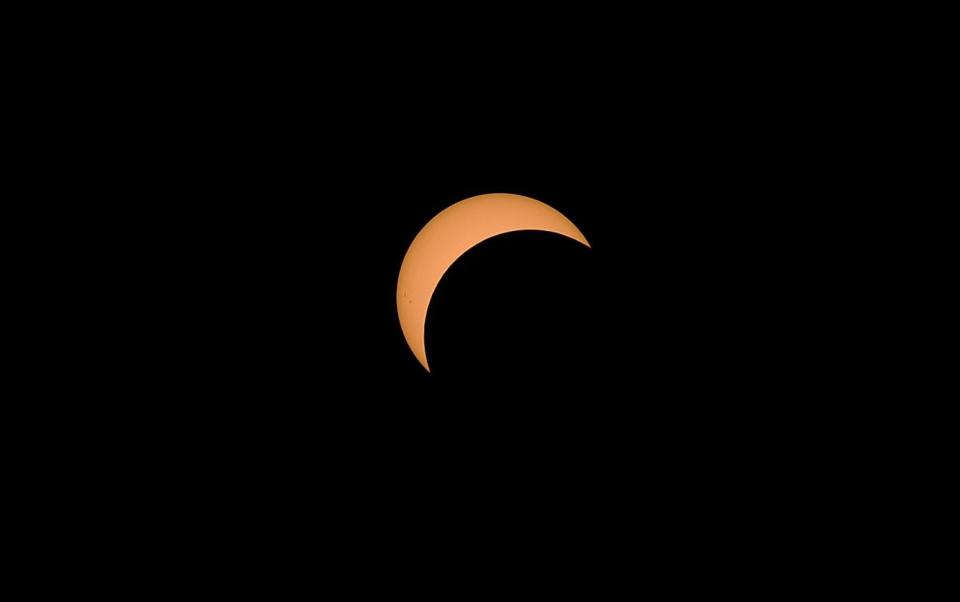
<point>453,232</point>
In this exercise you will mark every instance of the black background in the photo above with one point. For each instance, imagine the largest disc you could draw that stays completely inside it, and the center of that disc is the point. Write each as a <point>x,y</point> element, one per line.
<point>217,384</point>
<point>280,253</point>
<point>668,378</point>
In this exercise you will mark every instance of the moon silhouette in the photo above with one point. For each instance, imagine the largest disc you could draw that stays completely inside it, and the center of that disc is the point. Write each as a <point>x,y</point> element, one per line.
<point>453,232</point>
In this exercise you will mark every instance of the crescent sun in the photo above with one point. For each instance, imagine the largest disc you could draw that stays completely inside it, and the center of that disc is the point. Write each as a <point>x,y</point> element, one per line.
<point>453,232</point>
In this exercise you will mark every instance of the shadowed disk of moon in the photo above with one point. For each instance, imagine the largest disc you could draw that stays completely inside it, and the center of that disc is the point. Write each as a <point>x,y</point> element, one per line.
<point>453,232</point>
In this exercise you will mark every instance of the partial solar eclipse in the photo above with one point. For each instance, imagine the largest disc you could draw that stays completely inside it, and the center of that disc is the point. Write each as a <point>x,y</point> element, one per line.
<point>453,232</point>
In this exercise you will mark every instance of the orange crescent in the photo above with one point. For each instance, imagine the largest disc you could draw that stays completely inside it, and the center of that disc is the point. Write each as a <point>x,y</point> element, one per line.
<point>453,232</point>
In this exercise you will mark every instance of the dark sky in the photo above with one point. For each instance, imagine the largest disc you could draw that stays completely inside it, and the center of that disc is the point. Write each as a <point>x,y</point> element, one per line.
<point>237,390</point>
<point>667,365</point>
<point>290,244</point>
<point>247,365</point>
